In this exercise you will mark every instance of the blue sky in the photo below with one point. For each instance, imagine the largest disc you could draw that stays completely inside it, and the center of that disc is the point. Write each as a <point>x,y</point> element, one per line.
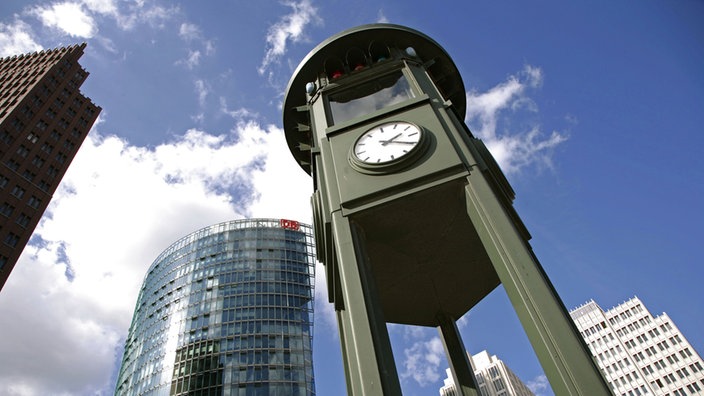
<point>593,109</point>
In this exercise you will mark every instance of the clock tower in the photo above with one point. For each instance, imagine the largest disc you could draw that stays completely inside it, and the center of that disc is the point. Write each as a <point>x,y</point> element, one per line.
<point>413,218</point>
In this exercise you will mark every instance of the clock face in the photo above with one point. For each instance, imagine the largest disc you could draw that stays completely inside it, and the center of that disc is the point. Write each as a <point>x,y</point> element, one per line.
<point>387,143</point>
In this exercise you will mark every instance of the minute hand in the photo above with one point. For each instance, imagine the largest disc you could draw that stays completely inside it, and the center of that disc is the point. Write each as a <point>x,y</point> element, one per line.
<point>397,141</point>
<point>385,142</point>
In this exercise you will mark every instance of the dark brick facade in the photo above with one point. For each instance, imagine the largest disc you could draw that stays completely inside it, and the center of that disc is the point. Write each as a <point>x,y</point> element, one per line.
<point>43,121</point>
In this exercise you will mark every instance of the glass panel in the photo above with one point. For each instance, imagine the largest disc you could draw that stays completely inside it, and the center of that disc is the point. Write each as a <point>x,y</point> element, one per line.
<point>369,96</point>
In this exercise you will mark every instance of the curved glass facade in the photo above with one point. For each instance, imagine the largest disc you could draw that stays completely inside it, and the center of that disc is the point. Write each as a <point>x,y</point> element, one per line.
<point>226,310</point>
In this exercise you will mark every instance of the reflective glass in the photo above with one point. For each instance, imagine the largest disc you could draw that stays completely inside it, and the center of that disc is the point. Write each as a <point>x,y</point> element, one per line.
<point>225,310</point>
<point>369,96</point>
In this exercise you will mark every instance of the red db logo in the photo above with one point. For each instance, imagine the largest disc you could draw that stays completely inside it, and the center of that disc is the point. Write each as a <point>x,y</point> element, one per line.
<point>290,224</point>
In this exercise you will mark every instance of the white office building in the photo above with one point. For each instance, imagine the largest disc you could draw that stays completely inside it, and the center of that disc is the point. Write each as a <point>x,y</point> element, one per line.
<point>638,353</point>
<point>493,377</point>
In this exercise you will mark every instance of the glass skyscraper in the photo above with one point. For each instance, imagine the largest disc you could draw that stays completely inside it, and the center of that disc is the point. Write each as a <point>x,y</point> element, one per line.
<point>226,310</point>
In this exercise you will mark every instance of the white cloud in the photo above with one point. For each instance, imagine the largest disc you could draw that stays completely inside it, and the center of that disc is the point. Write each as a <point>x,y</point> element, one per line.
<point>108,7</point>
<point>240,115</point>
<point>202,90</point>
<point>117,208</point>
<point>381,18</point>
<point>423,360</point>
<point>539,385</point>
<point>192,35</point>
<point>512,149</point>
<point>68,17</point>
<point>283,187</point>
<point>189,31</point>
<point>17,39</point>
<point>290,28</point>
<point>138,13</point>
<point>191,61</point>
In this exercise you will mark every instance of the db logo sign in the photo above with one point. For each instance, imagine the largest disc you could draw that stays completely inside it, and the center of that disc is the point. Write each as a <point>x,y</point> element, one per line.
<point>290,224</point>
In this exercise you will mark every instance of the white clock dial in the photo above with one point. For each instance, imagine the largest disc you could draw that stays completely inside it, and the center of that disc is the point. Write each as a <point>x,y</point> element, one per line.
<point>387,142</point>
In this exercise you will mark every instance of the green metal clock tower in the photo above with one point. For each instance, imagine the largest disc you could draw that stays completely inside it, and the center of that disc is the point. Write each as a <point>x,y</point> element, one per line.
<point>413,218</point>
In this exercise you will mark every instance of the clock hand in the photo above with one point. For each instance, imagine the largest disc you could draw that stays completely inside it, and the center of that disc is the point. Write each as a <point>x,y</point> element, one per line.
<point>400,141</point>
<point>385,142</point>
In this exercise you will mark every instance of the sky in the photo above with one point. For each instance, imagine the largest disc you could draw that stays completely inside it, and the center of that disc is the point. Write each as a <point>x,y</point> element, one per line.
<point>594,110</point>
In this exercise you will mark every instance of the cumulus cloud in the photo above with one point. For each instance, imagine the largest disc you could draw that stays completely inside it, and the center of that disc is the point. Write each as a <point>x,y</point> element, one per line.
<point>108,7</point>
<point>68,17</point>
<point>291,27</point>
<point>422,361</point>
<point>117,208</point>
<point>539,385</point>
<point>513,148</point>
<point>16,39</point>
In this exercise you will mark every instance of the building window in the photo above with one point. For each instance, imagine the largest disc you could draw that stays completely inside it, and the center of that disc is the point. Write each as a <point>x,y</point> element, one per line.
<point>41,125</point>
<point>498,384</point>
<point>11,239</point>
<point>12,164</point>
<point>34,202</point>
<point>29,176</point>
<point>52,172</point>
<point>44,186</point>
<point>22,151</point>
<point>23,220</point>
<point>6,137</point>
<point>685,353</point>
<point>18,191</point>
<point>17,124</point>
<point>6,209</point>
<point>37,161</point>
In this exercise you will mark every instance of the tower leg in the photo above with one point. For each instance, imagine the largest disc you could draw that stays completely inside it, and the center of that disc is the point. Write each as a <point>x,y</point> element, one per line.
<point>462,372</point>
<point>567,362</point>
<point>369,361</point>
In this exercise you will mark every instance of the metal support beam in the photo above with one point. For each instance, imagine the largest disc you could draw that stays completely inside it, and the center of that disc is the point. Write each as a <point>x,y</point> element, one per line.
<point>567,362</point>
<point>465,383</point>
<point>369,362</point>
